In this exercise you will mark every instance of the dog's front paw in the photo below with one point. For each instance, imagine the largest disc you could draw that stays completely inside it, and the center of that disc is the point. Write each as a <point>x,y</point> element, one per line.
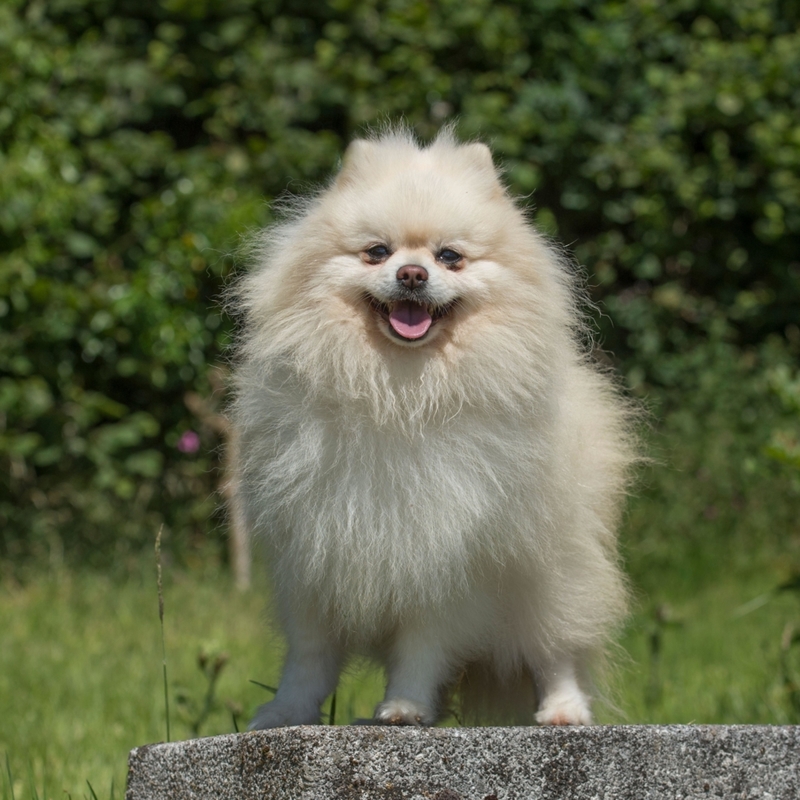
<point>565,708</point>
<point>278,715</point>
<point>403,712</point>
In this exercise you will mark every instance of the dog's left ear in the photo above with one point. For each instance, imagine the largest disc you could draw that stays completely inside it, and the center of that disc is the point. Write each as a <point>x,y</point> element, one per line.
<point>480,155</point>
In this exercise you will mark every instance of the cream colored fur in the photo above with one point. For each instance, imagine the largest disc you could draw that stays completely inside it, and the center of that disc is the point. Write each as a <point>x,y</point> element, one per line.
<point>447,505</point>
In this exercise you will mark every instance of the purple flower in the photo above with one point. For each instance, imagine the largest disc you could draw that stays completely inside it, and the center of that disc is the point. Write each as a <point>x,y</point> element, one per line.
<point>189,442</point>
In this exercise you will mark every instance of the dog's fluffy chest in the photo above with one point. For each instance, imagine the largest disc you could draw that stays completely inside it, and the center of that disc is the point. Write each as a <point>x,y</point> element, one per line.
<point>371,516</point>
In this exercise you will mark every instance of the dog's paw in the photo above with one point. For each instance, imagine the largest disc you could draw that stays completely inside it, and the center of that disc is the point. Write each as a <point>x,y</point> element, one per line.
<point>565,708</point>
<point>403,712</point>
<point>278,715</point>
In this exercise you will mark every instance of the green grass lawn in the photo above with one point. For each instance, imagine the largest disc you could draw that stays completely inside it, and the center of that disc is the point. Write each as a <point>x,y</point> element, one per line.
<point>81,673</point>
<point>706,543</point>
<point>81,668</point>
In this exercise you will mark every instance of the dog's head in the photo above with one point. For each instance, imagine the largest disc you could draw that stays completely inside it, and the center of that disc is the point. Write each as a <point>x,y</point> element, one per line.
<point>417,239</point>
<point>414,267</point>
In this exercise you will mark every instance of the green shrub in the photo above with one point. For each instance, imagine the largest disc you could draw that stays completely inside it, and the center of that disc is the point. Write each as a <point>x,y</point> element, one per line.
<point>139,142</point>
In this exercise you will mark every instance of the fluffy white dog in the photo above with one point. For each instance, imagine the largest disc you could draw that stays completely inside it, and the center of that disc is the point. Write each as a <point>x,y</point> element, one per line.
<point>430,458</point>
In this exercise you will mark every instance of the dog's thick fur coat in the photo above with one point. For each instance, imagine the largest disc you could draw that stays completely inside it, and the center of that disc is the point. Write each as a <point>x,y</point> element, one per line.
<point>425,450</point>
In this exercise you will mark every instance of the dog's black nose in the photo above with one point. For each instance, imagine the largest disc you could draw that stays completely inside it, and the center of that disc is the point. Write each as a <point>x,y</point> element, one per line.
<point>412,276</point>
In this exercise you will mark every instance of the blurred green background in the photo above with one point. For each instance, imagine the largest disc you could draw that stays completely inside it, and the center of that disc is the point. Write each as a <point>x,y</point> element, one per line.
<point>140,143</point>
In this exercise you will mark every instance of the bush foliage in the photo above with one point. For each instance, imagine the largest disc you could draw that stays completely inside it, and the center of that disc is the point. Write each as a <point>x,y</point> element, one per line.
<point>140,141</point>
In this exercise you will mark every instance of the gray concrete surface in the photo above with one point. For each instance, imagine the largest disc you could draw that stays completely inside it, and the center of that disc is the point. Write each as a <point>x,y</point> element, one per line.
<point>628,762</point>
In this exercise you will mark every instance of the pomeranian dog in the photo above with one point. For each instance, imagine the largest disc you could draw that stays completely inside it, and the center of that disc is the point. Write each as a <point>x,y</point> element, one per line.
<point>431,460</point>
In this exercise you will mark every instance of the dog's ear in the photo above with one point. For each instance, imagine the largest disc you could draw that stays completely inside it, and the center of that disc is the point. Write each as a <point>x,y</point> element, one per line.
<point>480,159</point>
<point>480,155</point>
<point>358,152</point>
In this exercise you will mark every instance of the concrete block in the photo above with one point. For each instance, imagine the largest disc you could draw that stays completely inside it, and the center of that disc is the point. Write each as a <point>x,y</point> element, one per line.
<point>627,762</point>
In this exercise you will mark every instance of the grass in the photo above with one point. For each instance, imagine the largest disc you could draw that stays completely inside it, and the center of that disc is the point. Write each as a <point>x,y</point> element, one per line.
<point>713,532</point>
<point>712,665</point>
<point>81,673</point>
<point>81,681</point>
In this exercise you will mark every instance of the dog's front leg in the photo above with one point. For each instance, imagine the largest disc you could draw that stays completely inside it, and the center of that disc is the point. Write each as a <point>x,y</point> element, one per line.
<point>310,674</point>
<point>562,701</point>
<point>418,668</point>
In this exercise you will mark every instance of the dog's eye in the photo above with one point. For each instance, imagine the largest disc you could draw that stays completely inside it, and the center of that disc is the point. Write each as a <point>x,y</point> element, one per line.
<point>377,253</point>
<point>450,258</point>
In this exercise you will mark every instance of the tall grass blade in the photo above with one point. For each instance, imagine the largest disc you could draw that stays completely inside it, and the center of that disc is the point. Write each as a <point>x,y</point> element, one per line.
<point>91,789</point>
<point>161,620</point>
<point>10,778</point>
<point>264,686</point>
<point>34,790</point>
<point>752,605</point>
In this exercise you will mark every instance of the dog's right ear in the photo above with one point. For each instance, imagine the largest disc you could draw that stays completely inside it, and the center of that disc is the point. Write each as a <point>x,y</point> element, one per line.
<point>358,152</point>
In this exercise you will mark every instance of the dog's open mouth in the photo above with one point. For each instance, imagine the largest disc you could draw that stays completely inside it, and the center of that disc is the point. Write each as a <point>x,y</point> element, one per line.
<point>408,319</point>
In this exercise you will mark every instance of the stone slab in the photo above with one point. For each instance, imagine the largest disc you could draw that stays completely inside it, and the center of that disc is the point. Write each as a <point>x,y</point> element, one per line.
<point>626,762</point>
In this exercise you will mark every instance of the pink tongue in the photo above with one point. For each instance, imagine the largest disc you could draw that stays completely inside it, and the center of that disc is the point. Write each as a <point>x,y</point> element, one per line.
<point>410,320</point>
